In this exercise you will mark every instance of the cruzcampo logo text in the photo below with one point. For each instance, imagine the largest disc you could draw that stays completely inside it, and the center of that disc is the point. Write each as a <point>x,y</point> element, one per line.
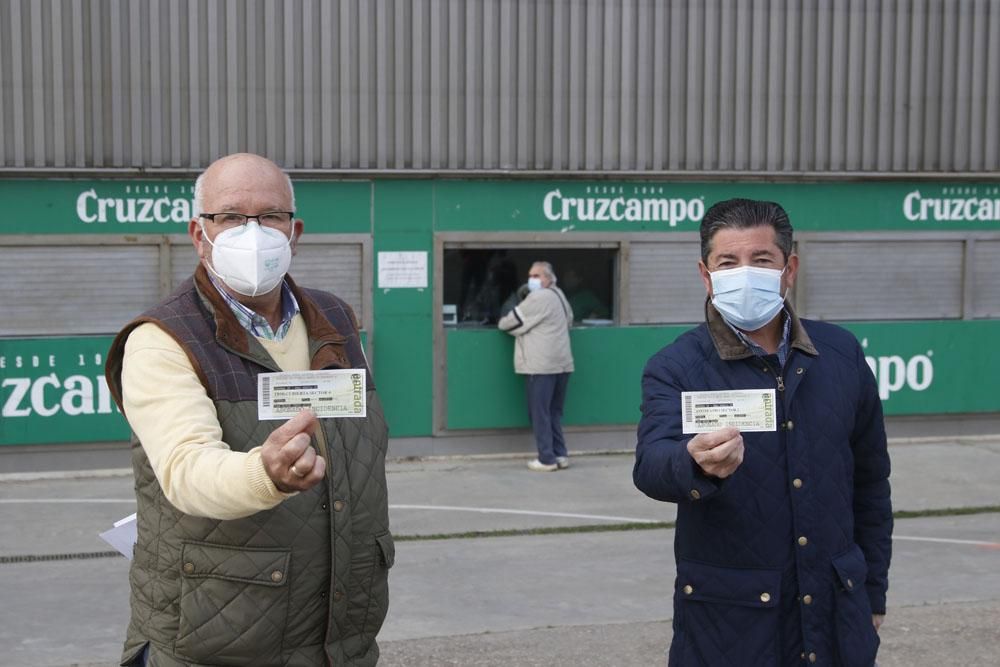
<point>620,203</point>
<point>143,203</point>
<point>954,204</point>
<point>26,393</point>
<point>893,372</point>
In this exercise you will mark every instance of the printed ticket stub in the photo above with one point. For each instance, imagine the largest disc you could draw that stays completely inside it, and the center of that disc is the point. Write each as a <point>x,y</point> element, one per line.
<point>331,393</point>
<point>746,409</point>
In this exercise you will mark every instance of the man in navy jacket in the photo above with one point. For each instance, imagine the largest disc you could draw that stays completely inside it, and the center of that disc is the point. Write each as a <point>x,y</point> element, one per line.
<point>783,537</point>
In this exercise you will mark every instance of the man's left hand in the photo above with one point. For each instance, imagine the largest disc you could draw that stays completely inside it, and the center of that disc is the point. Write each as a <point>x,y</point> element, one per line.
<point>877,620</point>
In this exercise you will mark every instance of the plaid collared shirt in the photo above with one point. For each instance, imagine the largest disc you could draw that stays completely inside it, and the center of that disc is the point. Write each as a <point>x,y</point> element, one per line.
<point>782,346</point>
<point>255,323</point>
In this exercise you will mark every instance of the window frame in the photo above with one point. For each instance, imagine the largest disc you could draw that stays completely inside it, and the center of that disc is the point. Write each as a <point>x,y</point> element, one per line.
<point>518,240</point>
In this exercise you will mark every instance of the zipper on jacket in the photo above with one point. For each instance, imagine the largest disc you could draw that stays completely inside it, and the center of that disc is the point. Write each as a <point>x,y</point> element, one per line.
<point>777,376</point>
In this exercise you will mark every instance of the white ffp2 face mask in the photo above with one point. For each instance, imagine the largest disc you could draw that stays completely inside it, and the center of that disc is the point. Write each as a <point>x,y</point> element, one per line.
<point>748,297</point>
<point>250,259</point>
<point>534,284</point>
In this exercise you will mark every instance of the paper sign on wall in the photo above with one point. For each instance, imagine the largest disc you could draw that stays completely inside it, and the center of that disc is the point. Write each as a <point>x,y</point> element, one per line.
<point>402,269</point>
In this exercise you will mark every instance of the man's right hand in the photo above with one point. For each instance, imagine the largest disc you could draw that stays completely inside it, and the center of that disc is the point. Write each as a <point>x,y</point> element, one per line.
<point>289,460</point>
<point>718,453</point>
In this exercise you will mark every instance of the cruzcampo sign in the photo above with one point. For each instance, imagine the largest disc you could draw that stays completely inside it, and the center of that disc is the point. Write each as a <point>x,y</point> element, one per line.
<point>567,206</point>
<point>53,390</point>
<point>161,206</point>
<point>919,368</point>
<point>166,206</point>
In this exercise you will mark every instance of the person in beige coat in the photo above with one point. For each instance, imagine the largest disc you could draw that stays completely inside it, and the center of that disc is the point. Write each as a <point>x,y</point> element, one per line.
<point>540,326</point>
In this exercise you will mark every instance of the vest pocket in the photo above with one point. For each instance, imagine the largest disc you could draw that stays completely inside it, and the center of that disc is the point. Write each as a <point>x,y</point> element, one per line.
<point>725,615</point>
<point>368,586</point>
<point>857,640</point>
<point>233,604</point>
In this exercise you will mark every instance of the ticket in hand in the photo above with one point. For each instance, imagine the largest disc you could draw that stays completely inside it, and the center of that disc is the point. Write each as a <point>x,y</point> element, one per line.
<point>331,393</point>
<point>746,409</point>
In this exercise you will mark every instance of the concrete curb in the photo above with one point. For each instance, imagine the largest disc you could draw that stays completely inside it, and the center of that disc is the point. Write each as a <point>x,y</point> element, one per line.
<point>64,474</point>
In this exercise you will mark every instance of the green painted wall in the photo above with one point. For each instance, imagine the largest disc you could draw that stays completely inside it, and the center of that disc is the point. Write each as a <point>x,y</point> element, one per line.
<point>90,206</point>
<point>402,341</point>
<point>161,207</point>
<point>921,368</point>
<point>582,206</point>
<point>60,397</point>
<point>53,390</point>
<point>602,390</point>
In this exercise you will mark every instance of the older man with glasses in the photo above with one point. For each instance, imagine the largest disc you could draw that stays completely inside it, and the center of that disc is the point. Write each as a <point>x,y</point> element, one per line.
<point>259,541</point>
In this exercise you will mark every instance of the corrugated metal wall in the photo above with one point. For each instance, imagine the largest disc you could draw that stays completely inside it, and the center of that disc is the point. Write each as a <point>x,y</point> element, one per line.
<point>564,85</point>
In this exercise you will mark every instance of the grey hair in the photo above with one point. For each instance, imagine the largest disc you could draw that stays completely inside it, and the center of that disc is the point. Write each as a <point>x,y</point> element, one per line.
<point>549,271</point>
<point>743,214</point>
<point>199,189</point>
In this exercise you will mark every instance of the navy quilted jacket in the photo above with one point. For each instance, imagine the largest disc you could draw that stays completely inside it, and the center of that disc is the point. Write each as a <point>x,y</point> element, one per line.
<point>784,562</point>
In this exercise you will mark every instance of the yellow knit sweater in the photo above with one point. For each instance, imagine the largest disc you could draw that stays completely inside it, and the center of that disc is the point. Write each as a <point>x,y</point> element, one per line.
<point>176,422</point>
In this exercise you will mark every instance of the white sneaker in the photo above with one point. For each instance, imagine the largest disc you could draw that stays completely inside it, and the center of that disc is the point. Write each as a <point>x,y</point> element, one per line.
<point>538,466</point>
<point>562,462</point>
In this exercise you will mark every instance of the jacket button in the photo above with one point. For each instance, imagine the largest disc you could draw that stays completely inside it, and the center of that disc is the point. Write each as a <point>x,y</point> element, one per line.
<point>797,483</point>
<point>800,370</point>
<point>338,596</point>
<point>807,599</point>
<point>688,590</point>
<point>188,568</point>
<point>324,505</point>
<point>803,541</point>
<point>789,424</point>
<point>277,576</point>
<point>338,505</point>
<point>812,657</point>
<point>765,597</point>
<point>695,494</point>
<point>850,584</point>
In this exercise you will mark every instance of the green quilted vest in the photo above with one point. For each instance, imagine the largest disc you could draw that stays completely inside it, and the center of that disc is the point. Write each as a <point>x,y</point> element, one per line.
<point>304,583</point>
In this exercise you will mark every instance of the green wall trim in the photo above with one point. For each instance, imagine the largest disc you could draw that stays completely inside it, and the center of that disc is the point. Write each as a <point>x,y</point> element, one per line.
<point>481,389</point>
<point>161,206</point>
<point>484,392</point>
<point>53,390</point>
<point>403,337</point>
<point>921,368</point>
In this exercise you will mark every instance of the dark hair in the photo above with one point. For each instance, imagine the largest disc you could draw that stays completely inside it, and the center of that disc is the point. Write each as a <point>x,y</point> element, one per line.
<point>743,214</point>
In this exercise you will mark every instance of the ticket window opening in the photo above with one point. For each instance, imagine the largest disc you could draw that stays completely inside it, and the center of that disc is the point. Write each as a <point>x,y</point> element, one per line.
<point>484,284</point>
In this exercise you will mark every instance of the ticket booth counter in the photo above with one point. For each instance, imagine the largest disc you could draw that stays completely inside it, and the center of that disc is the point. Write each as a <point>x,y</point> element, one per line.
<point>478,282</point>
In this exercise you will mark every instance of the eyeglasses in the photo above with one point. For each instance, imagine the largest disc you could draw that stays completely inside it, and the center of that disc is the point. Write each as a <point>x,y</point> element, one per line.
<point>276,219</point>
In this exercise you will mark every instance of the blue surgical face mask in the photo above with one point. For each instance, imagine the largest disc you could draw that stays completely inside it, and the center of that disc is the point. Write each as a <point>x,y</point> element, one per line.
<point>748,297</point>
<point>534,284</point>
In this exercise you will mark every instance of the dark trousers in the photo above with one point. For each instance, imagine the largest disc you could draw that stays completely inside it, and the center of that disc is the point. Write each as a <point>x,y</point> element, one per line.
<point>546,396</point>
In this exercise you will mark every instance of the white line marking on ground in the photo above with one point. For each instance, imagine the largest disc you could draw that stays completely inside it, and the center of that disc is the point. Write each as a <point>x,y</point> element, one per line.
<point>39,501</point>
<point>490,510</point>
<point>978,543</point>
